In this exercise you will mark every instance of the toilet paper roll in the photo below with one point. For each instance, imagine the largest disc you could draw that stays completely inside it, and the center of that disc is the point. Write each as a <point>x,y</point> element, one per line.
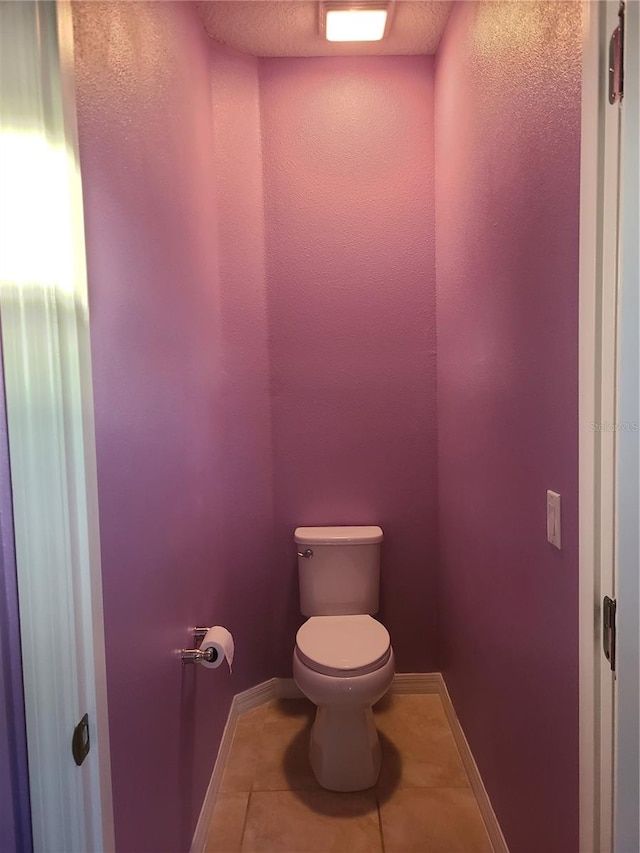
<point>220,639</point>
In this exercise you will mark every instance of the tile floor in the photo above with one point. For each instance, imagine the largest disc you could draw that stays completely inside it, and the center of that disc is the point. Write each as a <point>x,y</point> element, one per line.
<point>270,802</point>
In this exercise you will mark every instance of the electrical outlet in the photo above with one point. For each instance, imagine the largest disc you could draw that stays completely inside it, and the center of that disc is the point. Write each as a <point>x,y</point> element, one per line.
<point>554,523</point>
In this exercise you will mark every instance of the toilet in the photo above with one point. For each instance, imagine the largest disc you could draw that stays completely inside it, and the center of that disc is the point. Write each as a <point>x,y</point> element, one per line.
<point>343,661</point>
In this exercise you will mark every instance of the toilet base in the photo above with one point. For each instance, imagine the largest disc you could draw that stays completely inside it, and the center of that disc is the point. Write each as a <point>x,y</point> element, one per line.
<point>345,750</point>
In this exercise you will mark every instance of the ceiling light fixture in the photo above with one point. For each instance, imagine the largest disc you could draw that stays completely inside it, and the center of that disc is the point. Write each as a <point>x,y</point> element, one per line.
<point>354,21</point>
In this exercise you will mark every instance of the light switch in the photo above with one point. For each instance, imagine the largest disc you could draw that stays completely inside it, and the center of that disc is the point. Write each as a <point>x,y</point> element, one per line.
<point>554,524</point>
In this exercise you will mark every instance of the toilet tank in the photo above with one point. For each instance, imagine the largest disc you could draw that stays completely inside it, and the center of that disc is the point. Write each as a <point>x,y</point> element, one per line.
<point>340,574</point>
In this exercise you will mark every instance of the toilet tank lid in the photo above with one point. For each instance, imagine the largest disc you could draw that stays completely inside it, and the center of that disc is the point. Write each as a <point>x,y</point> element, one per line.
<point>338,535</point>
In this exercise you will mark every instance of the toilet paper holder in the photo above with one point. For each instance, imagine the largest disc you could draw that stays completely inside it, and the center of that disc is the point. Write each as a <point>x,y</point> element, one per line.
<point>195,655</point>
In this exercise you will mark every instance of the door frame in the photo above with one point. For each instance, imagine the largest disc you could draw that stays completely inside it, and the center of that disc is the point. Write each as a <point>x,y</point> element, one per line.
<point>598,346</point>
<point>597,451</point>
<point>50,419</point>
<point>627,723</point>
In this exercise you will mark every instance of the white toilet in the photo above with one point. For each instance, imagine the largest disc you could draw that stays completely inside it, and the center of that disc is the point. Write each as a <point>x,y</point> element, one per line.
<point>343,660</point>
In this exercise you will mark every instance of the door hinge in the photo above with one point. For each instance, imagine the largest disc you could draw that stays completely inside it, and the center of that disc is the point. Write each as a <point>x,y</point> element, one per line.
<point>616,60</point>
<point>80,743</point>
<point>609,606</point>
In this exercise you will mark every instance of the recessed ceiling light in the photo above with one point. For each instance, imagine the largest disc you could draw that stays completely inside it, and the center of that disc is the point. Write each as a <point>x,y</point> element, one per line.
<point>354,22</point>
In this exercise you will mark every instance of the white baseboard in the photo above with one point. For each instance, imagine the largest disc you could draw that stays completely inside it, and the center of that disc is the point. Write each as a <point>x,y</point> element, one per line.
<point>199,840</point>
<point>403,682</point>
<point>274,688</point>
<point>286,688</point>
<point>475,780</point>
<point>416,682</point>
<point>258,695</point>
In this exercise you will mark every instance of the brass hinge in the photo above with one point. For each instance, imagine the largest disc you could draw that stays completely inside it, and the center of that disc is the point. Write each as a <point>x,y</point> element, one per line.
<point>616,60</point>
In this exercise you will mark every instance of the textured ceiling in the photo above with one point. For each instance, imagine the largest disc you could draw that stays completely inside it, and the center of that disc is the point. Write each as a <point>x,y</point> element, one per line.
<point>290,28</point>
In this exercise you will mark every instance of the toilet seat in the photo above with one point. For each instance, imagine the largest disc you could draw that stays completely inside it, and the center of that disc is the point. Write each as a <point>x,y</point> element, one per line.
<point>343,646</point>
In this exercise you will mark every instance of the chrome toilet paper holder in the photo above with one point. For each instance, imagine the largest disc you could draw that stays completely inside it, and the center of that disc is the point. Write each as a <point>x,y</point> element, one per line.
<point>195,655</point>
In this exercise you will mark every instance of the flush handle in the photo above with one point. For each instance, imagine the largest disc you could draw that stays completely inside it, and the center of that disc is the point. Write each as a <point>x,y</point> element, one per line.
<point>306,554</point>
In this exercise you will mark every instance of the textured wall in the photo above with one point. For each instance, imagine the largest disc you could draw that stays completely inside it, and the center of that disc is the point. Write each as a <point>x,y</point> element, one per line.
<point>15,823</point>
<point>244,481</point>
<point>274,28</point>
<point>507,167</point>
<point>349,189</point>
<point>180,372</point>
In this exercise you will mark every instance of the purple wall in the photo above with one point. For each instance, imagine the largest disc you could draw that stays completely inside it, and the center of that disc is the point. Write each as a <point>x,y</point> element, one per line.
<point>231,390</point>
<point>15,816</point>
<point>349,189</point>
<point>507,167</point>
<point>244,486</point>
<point>181,393</point>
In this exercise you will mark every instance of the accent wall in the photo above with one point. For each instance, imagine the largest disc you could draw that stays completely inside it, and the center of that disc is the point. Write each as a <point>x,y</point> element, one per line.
<point>349,200</point>
<point>507,202</point>
<point>173,208</point>
<point>267,303</point>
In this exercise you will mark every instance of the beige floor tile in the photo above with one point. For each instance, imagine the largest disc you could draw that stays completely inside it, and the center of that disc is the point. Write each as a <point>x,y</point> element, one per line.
<point>283,755</point>
<point>426,804</point>
<point>241,764</point>
<point>313,822</point>
<point>227,824</point>
<point>418,749</point>
<point>433,820</point>
<point>254,715</point>
<point>288,709</point>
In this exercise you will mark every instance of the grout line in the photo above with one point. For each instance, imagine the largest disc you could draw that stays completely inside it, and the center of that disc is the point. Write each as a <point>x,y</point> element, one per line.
<point>421,685</point>
<point>380,822</point>
<point>244,822</point>
<point>259,748</point>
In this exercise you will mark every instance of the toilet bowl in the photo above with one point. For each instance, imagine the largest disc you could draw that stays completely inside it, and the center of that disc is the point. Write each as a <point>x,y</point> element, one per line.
<point>344,665</point>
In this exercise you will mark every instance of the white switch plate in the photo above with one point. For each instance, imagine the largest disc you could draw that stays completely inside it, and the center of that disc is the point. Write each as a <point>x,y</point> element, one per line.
<point>554,524</point>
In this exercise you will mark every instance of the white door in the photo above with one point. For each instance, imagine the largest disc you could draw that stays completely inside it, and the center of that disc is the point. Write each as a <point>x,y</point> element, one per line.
<point>45,339</point>
<point>627,721</point>
<point>608,467</point>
